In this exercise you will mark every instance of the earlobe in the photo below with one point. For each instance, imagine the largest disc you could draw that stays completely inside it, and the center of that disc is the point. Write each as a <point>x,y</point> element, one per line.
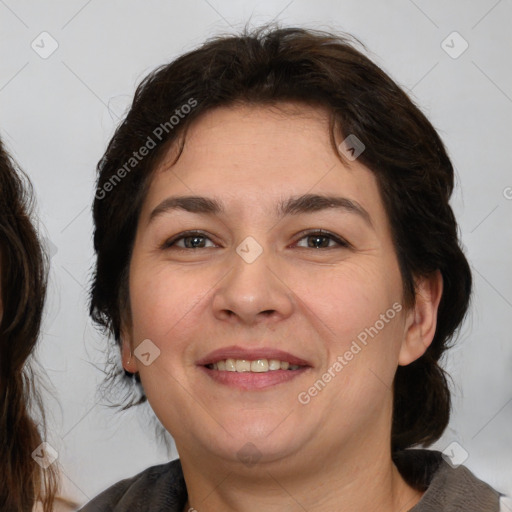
<point>422,318</point>
<point>129,362</point>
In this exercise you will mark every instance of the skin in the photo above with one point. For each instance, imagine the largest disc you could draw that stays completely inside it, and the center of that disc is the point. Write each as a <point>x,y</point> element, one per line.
<point>334,452</point>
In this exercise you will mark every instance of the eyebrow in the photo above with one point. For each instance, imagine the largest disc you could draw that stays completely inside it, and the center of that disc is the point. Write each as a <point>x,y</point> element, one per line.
<point>307,203</point>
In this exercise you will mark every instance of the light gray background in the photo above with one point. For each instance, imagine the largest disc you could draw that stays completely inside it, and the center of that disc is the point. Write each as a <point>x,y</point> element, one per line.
<point>58,113</point>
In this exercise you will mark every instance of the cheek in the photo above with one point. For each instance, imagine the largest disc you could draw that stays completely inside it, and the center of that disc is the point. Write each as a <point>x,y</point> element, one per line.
<point>172,308</point>
<point>348,299</point>
<point>360,312</point>
<point>160,300</point>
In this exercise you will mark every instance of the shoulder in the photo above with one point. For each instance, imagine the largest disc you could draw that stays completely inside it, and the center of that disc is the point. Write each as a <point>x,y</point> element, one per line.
<point>446,486</point>
<point>59,505</point>
<point>156,488</point>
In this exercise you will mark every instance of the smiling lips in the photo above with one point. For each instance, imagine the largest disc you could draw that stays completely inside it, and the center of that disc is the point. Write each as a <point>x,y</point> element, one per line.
<point>242,354</point>
<point>256,366</point>
<point>252,369</point>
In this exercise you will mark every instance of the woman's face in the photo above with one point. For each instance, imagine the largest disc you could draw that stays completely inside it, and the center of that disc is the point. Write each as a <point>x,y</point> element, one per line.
<point>260,283</point>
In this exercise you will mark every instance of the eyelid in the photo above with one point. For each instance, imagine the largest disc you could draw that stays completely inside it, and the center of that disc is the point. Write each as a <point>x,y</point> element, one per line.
<point>324,233</point>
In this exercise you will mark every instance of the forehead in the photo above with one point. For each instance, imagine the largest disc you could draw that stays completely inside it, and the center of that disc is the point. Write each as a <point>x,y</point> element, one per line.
<point>275,137</point>
<point>257,156</point>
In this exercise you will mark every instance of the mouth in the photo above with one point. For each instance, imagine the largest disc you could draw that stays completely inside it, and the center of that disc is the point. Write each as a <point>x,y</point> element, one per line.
<point>255,366</point>
<point>252,369</point>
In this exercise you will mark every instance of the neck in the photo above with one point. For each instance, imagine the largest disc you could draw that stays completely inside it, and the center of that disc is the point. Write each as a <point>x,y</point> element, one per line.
<point>346,479</point>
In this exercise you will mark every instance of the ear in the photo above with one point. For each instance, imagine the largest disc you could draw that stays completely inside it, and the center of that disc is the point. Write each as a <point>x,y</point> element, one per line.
<point>421,320</point>
<point>128,360</point>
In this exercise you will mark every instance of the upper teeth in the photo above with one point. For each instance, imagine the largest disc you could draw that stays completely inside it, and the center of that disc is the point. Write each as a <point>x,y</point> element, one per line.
<point>259,365</point>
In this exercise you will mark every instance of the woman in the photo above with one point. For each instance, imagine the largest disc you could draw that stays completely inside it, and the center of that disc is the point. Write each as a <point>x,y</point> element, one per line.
<point>279,265</point>
<point>25,484</point>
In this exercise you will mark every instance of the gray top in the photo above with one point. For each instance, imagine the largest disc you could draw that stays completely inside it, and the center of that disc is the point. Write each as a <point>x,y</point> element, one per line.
<point>162,488</point>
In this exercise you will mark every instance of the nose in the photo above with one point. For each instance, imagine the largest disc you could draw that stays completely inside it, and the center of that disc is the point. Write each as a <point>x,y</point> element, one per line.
<point>252,292</point>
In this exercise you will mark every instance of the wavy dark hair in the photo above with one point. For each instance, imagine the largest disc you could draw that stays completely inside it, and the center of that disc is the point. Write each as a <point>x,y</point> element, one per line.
<point>23,270</point>
<point>265,66</point>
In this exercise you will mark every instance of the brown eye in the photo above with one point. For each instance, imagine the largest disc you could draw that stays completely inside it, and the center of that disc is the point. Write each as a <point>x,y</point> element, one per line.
<point>191,240</point>
<point>321,239</point>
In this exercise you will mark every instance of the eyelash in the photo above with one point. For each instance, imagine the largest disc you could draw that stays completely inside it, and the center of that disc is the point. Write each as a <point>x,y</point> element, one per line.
<point>189,234</point>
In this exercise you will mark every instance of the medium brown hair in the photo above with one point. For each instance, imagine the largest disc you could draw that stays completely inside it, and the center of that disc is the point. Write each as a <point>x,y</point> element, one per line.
<point>23,288</point>
<point>413,171</point>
